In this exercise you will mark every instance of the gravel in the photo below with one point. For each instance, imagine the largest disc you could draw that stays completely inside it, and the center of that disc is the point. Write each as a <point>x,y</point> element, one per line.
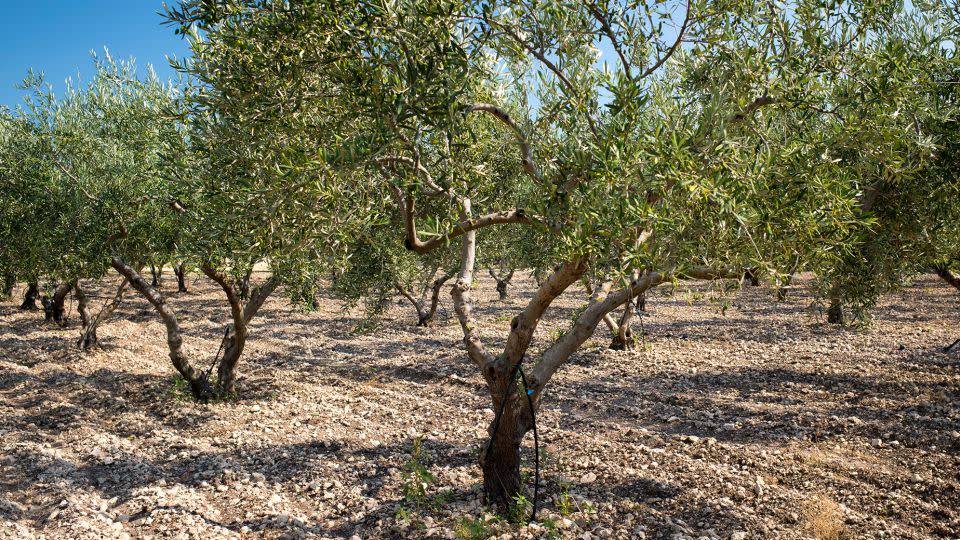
<point>760,422</point>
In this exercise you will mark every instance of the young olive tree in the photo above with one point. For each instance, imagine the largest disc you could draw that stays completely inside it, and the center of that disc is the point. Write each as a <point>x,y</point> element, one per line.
<point>636,143</point>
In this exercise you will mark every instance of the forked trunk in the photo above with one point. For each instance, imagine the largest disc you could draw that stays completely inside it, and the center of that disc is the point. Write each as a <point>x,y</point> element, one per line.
<point>30,297</point>
<point>156,272</point>
<point>623,339</point>
<point>199,386</point>
<point>181,272</point>
<point>236,335</point>
<point>502,280</point>
<point>88,336</point>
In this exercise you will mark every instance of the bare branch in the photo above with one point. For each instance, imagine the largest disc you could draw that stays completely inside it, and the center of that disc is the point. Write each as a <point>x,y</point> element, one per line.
<point>676,44</point>
<point>526,155</point>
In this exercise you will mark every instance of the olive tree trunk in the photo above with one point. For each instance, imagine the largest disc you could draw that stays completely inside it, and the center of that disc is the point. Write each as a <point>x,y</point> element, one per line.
<point>623,338</point>
<point>835,311</point>
<point>199,386</point>
<point>181,272</point>
<point>53,305</point>
<point>235,338</point>
<point>502,279</point>
<point>88,335</point>
<point>426,307</point>
<point>30,297</point>
<point>156,272</point>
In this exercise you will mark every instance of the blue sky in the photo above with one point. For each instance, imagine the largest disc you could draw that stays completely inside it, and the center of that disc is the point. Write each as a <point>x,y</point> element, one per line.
<point>57,36</point>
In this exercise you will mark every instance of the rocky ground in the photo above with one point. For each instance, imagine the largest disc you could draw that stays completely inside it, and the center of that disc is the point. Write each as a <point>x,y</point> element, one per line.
<point>740,417</point>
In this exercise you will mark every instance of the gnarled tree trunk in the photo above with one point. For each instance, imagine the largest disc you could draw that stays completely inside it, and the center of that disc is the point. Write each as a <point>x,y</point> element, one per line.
<point>426,308</point>
<point>199,386</point>
<point>503,280</point>
<point>30,297</point>
<point>156,272</point>
<point>236,336</point>
<point>88,335</point>
<point>500,456</point>
<point>835,311</point>
<point>53,306</point>
<point>623,338</point>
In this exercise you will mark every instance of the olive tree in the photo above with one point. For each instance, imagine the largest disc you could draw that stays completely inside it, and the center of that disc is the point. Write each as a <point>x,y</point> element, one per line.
<point>902,139</point>
<point>637,143</point>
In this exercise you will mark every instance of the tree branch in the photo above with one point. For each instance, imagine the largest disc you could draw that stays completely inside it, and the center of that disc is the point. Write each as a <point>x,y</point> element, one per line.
<point>526,155</point>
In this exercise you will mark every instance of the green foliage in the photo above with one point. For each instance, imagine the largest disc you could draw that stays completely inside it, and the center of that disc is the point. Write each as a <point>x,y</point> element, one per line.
<point>519,510</point>
<point>474,528</point>
<point>417,478</point>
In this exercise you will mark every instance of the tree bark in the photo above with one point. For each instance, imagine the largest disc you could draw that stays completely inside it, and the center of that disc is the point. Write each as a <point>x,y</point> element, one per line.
<point>30,297</point>
<point>623,339</point>
<point>425,310</point>
<point>88,336</point>
<point>435,289</point>
<point>235,337</point>
<point>199,386</point>
<point>156,272</point>
<point>244,285</point>
<point>948,276</point>
<point>500,457</point>
<point>53,306</point>
<point>835,311</point>
<point>503,280</point>
<point>181,272</point>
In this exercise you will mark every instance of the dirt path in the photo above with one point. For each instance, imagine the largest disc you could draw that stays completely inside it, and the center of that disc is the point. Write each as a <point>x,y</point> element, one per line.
<point>763,422</point>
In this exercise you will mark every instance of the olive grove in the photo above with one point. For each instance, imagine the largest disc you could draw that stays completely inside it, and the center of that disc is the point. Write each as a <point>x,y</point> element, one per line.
<point>401,150</point>
<point>639,143</point>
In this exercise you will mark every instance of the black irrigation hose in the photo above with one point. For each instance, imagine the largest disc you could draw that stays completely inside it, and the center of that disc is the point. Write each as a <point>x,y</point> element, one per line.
<point>536,447</point>
<point>226,331</point>
<point>536,442</point>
